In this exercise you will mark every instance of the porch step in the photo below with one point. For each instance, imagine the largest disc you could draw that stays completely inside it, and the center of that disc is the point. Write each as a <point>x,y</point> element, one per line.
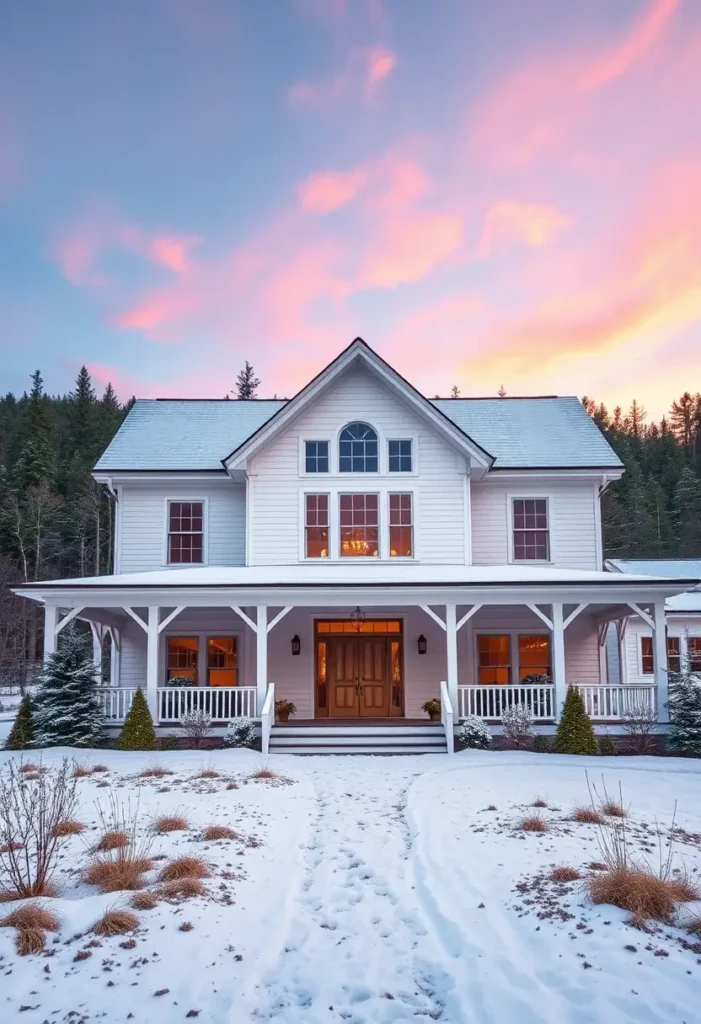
<point>358,739</point>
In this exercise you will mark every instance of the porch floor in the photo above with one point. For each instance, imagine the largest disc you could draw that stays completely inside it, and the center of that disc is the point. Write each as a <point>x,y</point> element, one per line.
<point>358,723</point>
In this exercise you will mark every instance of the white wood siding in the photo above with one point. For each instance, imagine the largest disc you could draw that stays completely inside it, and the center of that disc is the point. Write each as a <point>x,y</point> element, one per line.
<point>142,522</point>
<point>276,484</point>
<point>677,625</point>
<point>573,521</point>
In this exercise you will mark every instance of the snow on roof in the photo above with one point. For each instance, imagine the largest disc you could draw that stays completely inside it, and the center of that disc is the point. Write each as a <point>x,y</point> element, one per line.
<point>177,434</point>
<point>689,602</point>
<point>358,575</point>
<point>673,568</point>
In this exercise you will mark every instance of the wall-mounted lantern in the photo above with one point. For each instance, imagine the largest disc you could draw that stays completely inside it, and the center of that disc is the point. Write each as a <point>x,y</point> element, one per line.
<point>296,644</point>
<point>421,643</point>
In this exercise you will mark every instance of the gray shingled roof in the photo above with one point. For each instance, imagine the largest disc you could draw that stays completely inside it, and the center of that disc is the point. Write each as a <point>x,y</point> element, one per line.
<point>173,434</point>
<point>675,568</point>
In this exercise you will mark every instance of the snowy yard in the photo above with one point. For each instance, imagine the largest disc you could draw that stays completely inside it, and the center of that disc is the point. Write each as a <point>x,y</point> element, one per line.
<point>371,889</point>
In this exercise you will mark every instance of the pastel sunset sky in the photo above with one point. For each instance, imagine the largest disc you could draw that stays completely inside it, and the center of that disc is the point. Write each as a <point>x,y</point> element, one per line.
<point>488,193</point>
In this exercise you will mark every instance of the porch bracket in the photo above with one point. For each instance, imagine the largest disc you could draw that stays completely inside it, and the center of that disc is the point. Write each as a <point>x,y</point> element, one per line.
<point>246,619</point>
<point>169,618</point>
<point>436,618</point>
<point>467,616</point>
<point>116,639</point>
<point>68,618</point>
<point>643,614</point>
<point>541,615</point>
<point>573,615</point>
<point>137,618</point>
<point>280,615</point>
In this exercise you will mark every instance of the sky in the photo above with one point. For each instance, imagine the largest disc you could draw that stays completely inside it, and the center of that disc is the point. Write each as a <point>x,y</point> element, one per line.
<point>503,193</point>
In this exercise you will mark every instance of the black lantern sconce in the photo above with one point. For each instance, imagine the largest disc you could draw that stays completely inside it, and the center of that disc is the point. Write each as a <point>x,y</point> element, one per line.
<point>421,643</point>
<point>296,644</point>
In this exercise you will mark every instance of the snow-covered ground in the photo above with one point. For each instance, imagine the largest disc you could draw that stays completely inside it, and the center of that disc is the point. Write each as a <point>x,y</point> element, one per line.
<point>383,891</point>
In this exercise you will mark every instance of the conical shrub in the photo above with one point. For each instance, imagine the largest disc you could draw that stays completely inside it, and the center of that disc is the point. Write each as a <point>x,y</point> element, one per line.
<point>22,732</point>
<point>138,732</point>
<point>575,734</point>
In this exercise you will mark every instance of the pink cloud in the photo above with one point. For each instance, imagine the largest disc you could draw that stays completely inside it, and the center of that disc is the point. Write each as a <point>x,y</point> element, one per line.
<point>124,384</point>
<point>511,220</point>
<point>409,246</point>
<point>172,252</point>
<point>359,76</point>
<point>326,191</point>
<point>380,64</point>
<point>613,63</point>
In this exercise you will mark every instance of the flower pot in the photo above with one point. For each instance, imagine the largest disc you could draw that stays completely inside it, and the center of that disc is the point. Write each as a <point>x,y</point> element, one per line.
<point>283,716</point>
<point>435,716</point>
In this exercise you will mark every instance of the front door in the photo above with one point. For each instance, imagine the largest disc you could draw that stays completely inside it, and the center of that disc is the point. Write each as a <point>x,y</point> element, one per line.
<point>358,676</point>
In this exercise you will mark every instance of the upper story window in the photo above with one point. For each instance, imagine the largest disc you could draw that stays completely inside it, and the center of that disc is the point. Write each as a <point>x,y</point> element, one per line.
<point>357,449</point>
<point>401,527</point>
<point>185,532</point>
<point>316,456</point>
<point>531,530</point>
<point>360,525</point>
<point>399,453</point>
<point>316,526</point>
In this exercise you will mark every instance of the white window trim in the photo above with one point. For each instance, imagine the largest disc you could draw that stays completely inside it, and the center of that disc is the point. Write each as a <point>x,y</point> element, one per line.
<point>383,439</point>
<point>239,634</point>
<point>303,521</point>
<point>166,530</point>
<point>386,496</point>
<point>513,635</point>
<point>403,473</point>
<point>641,637</point>
<point>528,496</point>
<point>303,458</point>
<point>357,484</point>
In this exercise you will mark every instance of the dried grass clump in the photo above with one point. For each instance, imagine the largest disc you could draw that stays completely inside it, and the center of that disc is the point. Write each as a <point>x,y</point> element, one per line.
<point>125,863</point>
<point>208,773</point>
<point>68,828</point>
<point>613,809</point>
<point>186,926</point>
<point>29,768</point>
<point>214,832</point>
<point>183,888</point>
<point>10,847</point>
<point>116,922</point>
<point>184,867</point>
<point>46,889</point>
<point>31,915</point>
<point>170,823</point>
<point>539,802</point>
<point>155,771</point>
<point>99,768</point>
<point>534,823</point>
<point>117,874</point>
<point>265,773</point>
<point>144,900</point>
<point>492,807</point>
<point>641,891</point>
<point>232,785</point>
<point>30,940</point>
<point>113,839</point>
<point>80,770</point>
<point>694,927</point>
<point>587,816</point>
<point>564,874</point>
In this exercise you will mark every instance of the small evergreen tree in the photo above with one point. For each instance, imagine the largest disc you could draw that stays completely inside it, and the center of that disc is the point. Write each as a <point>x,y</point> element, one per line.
<point>685,711</point>
<point>138,732</point>
<point>247,383</point>
<point>22,732</point>
<point>67,711</point>
<point>574,733</point>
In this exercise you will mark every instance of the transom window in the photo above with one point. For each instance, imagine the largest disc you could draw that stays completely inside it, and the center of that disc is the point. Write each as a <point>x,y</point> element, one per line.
<point>316,456</point>
<point>185,532</point>
<point>316,527</point>
<point>399,453</point>
<point>531,531</point>
<point>359,524</point>
<point>401,527</point>
<point>357,449</point>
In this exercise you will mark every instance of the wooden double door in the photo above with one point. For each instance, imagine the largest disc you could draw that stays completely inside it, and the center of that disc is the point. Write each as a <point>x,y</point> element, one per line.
<point>358,676</point>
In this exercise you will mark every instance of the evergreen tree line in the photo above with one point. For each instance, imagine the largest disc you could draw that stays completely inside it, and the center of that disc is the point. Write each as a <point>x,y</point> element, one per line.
<point>654,510</point>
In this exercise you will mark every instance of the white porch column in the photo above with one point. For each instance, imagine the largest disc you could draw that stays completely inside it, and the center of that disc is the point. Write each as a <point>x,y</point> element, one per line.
<point>559,669</point>
<point>96,631</point>
<point>152,661</point>
<point>659,619</point>
<point>50,621</point>
<point>451,642</point>
<point>261,656</point>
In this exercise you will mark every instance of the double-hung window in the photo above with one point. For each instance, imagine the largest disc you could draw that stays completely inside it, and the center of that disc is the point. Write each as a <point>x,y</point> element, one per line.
<point>401,526</point>
<point>359,525</point>
<point>531,531</point>
<point>494,659</point>
<point>694,648</point>
<point>316,526</point>
<point>674,655</point>
<point>399,456</point>
<point>316,456</point>
<point>185,532</point>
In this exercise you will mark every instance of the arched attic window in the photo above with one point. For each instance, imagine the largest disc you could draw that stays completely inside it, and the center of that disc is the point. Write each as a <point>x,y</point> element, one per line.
<point>357,449</point>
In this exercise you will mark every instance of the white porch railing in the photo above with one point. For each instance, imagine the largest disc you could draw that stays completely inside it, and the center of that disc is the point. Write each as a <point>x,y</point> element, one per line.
<point>116,702</point>
<point>490,702</point>
<point>447,717</point>
<point>267,717</point>
<point>612,702</point>
<point>221,703</point>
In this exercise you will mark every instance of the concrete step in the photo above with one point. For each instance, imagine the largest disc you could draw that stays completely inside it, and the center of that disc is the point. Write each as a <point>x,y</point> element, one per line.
<point>352,748</point>
<point>405,731</point>
<point>358,738</point>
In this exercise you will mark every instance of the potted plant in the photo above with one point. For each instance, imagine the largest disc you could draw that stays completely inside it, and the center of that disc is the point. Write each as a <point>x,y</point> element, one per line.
<point>283,710</point>
<point>432,708</point>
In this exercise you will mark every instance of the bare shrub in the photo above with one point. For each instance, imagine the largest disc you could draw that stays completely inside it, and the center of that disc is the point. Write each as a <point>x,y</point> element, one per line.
<point>112,839</point>
<point>184,867</point>
<point>30,940</point>
<point>31,915</point>
<point>639,722</point>
<point>69,828</point>
<point>517,723</point>
<point>144,900</point>
<point>534,823</point>
<point>30,814</point>
<point>197,725</point>
<point>539,802</point>
<point>116,922</point>
<point>604,803</point>
<point>183,888</point>
<point>214,832</point>
<point>170,823</point>
<point>587,816</point>
<point>564,874</point>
